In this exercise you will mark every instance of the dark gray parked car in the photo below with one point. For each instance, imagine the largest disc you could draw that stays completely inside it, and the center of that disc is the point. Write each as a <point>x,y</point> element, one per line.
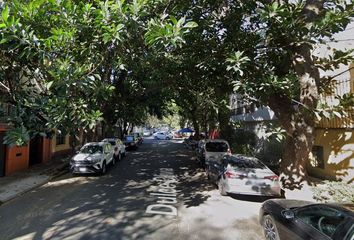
<point>301,220</point>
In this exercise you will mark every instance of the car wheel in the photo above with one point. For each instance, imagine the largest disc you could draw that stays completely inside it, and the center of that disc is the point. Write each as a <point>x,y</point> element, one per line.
<point>104,168</point>
<point>269,228</point>
<point>221,187</point>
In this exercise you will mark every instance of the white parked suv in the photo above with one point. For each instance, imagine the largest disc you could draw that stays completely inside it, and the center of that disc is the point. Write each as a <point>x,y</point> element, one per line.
<point>93,158</point>
<point>163,136</point>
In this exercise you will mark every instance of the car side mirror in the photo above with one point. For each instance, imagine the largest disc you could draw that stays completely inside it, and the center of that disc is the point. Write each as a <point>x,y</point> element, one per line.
<point>288,214</point>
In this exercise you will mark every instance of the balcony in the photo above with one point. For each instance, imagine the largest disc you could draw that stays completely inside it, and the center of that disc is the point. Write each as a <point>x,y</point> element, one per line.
<point>344,122</point>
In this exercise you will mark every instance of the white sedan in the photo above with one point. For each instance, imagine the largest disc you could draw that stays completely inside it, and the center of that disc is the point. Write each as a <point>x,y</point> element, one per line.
<point>241,174</point>
<point>163,136</point>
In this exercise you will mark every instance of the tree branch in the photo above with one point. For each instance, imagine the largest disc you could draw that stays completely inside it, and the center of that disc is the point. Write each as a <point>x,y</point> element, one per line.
<point>333,77</point>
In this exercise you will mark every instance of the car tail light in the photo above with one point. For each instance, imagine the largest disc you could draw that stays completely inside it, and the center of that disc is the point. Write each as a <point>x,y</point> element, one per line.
<point>229,174</point>
<point>272,177</point>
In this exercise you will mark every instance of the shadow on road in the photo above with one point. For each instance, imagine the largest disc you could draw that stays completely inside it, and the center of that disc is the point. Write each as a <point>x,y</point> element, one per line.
<point>105,207</point>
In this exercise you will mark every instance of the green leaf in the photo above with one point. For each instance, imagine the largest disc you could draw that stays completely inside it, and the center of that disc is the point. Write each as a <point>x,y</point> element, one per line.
<point>190,25</point>
<point>2,41</point>
<point>17,136</point>
<point>49,84</point>
<point>5,13</point>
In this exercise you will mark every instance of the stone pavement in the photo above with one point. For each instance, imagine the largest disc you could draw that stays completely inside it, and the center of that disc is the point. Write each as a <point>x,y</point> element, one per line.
<point>21,182</point>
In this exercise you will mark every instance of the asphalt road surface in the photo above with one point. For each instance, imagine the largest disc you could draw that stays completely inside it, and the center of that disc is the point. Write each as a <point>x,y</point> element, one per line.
<point>156,192</point>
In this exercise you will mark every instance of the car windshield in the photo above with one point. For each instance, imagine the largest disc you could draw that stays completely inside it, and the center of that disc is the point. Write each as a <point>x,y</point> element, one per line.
<point>245,163</point>
<point>91,149</point>
<point>216,147</point>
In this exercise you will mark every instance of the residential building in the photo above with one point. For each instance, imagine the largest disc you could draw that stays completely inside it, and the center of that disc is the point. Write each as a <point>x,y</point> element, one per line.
<point>333,153</point>
<point>12,159</point>
<point>38,150</point>
<point>60,146</point>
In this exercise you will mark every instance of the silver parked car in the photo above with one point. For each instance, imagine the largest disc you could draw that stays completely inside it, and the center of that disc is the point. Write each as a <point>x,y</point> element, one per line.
<point>214,150</point>
<point>243,175</point>
<point>93,158</point>
<point>118,147</point>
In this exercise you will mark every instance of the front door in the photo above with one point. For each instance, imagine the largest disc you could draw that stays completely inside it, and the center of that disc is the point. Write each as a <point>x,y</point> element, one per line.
<point>2,154</point>
<point>36,147</point>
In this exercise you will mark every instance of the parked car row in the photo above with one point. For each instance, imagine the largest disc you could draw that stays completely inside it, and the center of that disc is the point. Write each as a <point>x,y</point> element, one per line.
<point>94,157</point>
<point>236,173</point>
<point>281,219</point>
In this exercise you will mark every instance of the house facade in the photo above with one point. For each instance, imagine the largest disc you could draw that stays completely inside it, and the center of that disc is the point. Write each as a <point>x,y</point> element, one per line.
<point>37,150</point>
<point>333,152</point>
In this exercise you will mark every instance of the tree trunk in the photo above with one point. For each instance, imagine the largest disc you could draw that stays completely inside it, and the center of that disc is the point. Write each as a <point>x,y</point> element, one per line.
<point>297,116</point>
<point>226,130</point>
<point>299,124</point>
<point>295,157</point>
<point>195,126</point>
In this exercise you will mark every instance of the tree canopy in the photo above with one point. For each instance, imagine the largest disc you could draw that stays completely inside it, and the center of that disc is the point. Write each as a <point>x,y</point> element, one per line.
<point>69,64</point>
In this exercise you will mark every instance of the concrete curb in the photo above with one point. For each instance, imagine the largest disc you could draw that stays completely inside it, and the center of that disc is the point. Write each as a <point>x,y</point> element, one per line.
<point>24,192</point>
<point>60,171</point>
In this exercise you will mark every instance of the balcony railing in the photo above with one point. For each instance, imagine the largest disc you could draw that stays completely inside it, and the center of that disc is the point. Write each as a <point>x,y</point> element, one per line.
<point>336,122</point>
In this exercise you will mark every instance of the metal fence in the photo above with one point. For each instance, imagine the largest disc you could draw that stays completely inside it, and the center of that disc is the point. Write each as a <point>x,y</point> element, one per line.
<point>339,88</point>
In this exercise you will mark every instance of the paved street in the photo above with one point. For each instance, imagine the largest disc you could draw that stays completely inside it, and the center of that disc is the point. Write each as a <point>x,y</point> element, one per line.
<point>114,206</point>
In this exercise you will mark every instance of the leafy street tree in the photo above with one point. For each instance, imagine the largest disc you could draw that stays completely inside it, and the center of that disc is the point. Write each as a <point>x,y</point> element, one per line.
<point>266,50</point>
<point>282,70</point>
<point>69,64</point>
<point>65,62</point>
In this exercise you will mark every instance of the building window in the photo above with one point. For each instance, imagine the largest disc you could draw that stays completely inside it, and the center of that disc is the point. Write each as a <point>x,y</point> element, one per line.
<point>318,159</point>
<point>60,139</point>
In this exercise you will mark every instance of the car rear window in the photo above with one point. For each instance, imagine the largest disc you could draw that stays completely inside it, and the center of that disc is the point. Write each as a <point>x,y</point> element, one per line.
<point>245,163</point>
<point>216,147</point>
<point>129,138</point>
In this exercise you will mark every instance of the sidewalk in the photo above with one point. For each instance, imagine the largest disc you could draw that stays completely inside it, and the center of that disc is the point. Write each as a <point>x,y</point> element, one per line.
<point>21,182</point>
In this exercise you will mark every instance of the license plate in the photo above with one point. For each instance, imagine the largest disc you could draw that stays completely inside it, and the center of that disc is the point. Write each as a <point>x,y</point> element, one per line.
<point>82,169</point>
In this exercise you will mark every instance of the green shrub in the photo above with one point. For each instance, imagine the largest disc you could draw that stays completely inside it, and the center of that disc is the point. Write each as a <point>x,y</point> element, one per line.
<point>243,142</point>
<point>331,191</point>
